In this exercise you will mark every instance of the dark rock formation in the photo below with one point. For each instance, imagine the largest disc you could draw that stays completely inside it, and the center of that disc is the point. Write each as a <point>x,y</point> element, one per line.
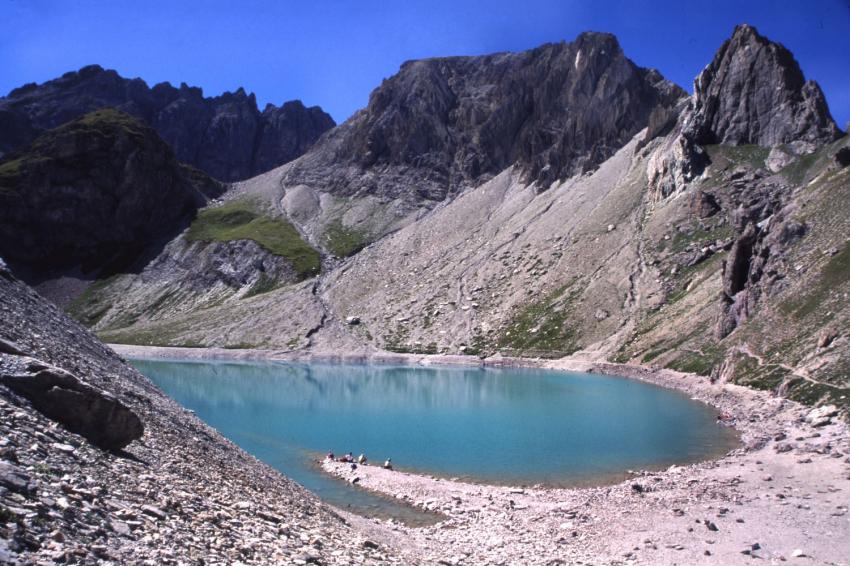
<point>842,157</point>
<point>225,136</point>
<point>753,92</point>
<point>440,124</point>
<point>86,410</point>
<point>703,204</point>
<point>94,193</point>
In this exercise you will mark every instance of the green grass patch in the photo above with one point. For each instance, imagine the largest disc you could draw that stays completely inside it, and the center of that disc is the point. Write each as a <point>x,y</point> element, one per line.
<point>834,274</point>
<point>105,121</point>
<point>752,155</point>
<point>543,326</point>
<point>343,241</point>
<point>767,377</point>
<point>810,393</point>
<point>239,220</point>
<point>694,362</point>
<point>91,305</point>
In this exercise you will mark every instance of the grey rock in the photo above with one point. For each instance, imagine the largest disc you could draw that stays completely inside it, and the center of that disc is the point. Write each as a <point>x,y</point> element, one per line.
<point>86,410</point>
<point>442,124</point>
<point>226,136</point>
<point>154,511</point>
<point>10,347</point>
<point>754,92</point>
<point>15,479</point>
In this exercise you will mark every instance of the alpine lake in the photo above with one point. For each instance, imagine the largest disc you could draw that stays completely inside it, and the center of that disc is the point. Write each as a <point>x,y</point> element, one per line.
<point>519,427</point>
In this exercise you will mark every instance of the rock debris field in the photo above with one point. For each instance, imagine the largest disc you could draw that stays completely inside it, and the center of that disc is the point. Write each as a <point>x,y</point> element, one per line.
<point>183,494</point>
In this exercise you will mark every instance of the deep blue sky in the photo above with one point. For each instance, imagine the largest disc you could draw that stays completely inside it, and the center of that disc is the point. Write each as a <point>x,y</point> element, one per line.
<point>333,53</point>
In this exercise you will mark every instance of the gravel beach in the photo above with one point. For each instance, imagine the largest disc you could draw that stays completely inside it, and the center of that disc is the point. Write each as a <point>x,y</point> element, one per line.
<point>783,495</point>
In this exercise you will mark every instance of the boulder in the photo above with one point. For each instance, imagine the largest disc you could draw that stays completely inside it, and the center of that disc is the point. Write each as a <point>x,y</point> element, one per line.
<point>778,159</point>
<point>842,157</point>
<point>703,205</point>
<point>81,408</point>
<point>10,347</point>
<point>821,416</point>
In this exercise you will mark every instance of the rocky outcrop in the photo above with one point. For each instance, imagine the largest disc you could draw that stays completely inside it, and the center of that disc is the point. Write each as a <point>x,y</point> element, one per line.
<point>95,193</point>
<point>86,410</point>
<point>754,92</point>
<point>226,136</point>
<point>441,124</point>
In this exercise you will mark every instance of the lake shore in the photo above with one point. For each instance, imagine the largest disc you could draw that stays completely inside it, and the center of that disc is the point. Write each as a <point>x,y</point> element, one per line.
<point>783,495</point>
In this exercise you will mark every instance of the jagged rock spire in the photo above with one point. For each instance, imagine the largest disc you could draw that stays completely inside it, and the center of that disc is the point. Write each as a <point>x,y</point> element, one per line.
<point>754,92</point>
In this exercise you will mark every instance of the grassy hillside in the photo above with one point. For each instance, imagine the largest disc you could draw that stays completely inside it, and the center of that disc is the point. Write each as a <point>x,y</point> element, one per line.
<point>240,220</point>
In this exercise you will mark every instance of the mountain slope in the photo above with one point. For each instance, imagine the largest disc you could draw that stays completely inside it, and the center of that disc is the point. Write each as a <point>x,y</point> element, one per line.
<point>646,244</point>
<point>225,136</point>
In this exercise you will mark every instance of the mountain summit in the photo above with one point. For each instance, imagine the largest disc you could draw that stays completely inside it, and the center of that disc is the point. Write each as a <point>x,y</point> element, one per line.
<point>444,123</point>
<point>754,92</point>
<point>225,136</point>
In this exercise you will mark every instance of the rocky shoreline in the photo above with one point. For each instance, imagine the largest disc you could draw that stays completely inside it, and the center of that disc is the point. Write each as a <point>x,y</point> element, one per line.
<point>180,494</point>
<point>783,495</point>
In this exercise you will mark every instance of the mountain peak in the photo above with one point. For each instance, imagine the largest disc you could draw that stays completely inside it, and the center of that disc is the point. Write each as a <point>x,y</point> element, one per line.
<point>554,111</point>
<point>753,92</point>
<point>226,136</point>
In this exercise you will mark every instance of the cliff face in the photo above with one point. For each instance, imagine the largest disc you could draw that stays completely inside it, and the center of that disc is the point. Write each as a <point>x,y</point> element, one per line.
<point>754,92</point>
<point>94,193</point>
<point>225,136</point>
<point>442,124</point>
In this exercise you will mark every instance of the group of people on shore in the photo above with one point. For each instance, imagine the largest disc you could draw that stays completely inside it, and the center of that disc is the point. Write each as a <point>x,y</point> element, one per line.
<point>361,460</point>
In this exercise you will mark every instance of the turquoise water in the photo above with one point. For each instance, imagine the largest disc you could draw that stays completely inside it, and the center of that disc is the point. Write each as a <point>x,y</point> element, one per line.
<point>506,426</point>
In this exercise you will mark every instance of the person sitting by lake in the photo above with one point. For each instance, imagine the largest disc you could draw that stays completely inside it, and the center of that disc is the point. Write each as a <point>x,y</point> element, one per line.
<point>330,456</point>
<point>348,458</point>
<point>724,418</point>
<point>388,465</point>
<point>361,459</point>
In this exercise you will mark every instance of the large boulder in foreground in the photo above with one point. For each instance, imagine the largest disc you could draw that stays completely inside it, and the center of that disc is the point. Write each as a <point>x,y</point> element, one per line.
<point>86,410</point>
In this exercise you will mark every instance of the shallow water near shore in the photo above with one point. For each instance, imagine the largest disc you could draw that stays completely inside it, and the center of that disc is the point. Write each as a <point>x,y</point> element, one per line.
<point>498,426</point>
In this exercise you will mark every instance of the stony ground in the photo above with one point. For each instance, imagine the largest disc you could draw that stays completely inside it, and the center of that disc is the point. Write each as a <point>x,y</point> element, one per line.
<point>181,494</point>
<point>184,494</point>
<point>782,497</point>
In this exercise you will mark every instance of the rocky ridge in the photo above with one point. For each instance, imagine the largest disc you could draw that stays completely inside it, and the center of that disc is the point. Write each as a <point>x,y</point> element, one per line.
<point>94,194</point>
<point>226,136</point>
<point>754,92</point>
<point>440,125</point>
<point>603,264</point>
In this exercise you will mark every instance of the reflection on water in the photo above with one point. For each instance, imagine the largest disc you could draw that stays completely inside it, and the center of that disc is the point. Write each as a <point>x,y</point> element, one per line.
<point>516,426</point>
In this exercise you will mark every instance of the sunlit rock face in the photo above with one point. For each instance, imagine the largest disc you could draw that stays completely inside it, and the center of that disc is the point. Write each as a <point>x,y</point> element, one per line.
<point>754,92</point>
